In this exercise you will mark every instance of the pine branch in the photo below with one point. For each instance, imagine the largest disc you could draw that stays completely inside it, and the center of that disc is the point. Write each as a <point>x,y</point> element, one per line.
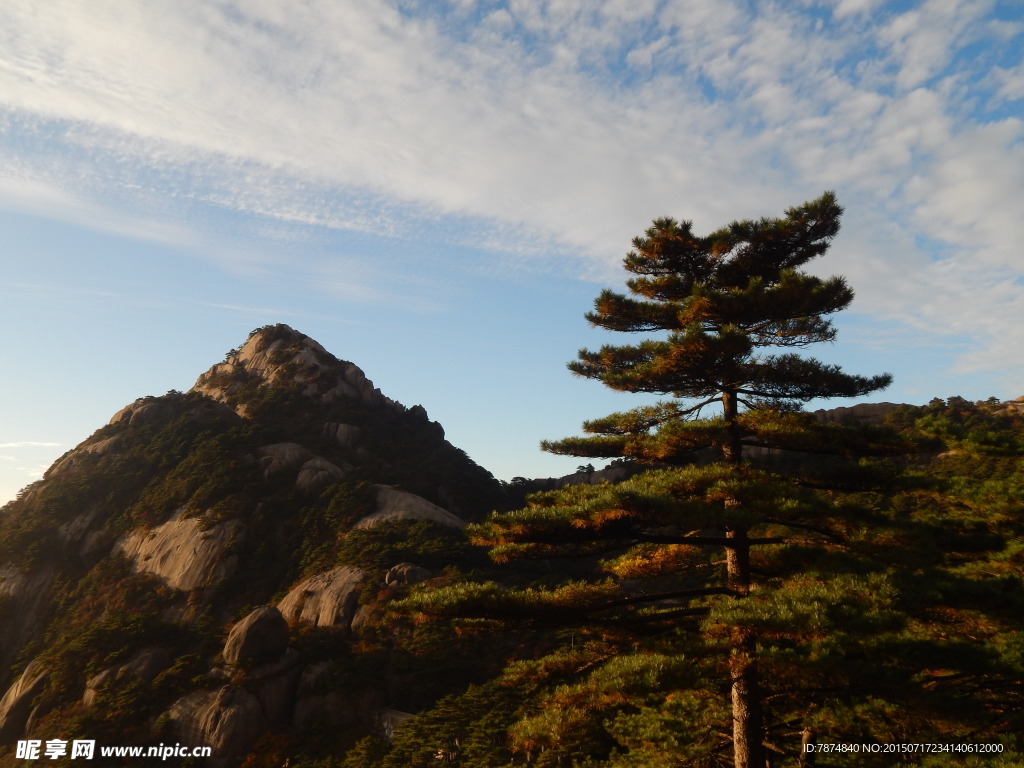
<point>832,535</point>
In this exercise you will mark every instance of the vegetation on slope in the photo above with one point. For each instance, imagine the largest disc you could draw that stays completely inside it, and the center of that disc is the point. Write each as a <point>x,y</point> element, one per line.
<point>887,605</point>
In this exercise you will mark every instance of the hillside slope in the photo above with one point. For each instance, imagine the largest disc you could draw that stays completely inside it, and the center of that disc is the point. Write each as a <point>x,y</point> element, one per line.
<point>225,508</point>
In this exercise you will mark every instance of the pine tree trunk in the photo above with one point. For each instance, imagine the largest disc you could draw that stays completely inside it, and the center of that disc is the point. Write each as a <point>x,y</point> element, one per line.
<point>732,449</point>
<point>737,558</point>
<point>747,715</point>
<point>806,758</point>
<point>747,725</point>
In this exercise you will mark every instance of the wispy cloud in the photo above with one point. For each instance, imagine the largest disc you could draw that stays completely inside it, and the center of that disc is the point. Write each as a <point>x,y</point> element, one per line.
<point>29,444</point>
<point>545,127</point>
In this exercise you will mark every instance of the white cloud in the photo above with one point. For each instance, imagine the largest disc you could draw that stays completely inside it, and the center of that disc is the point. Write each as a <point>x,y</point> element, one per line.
<point>852,7</point>
<point>922,40</point>
<point>1010,83</point>
<point>29,444</point>
<point>535,125</point>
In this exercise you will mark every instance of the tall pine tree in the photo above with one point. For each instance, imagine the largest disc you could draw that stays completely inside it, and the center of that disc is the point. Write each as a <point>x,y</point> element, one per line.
<point>722,299</point>
<point>722,302</point>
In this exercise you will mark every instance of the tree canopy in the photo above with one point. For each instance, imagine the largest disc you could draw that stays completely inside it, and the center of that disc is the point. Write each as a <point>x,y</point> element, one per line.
<point>722,300</point>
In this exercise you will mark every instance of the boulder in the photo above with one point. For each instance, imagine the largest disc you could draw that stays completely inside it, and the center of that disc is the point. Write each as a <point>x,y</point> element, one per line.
<point>404,574</point>
<point>316,474</point>
<point>400,505</point>
<point>326,599</point>
<point>259,638</point>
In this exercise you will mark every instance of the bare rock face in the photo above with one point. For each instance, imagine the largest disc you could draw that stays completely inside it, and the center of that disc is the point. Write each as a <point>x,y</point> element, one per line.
<point>143,411</point>
<point>16,705</point>
<point>345,435</point>
<point>102,447</point>
<point>326,599</point>
<point>400,505</point>
<point>282,355</point>
<point>259,638</point>
<point>183,554</point>
<point>229,720</point>
<point>23,600</point>
<point>144,665</point>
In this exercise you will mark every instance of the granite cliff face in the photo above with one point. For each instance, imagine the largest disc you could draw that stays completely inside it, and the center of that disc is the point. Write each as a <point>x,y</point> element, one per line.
<point>186,572</point>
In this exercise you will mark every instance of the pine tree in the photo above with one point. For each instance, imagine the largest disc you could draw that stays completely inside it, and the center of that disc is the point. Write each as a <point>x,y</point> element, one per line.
<point>722,299</point>
<point>723,302</point>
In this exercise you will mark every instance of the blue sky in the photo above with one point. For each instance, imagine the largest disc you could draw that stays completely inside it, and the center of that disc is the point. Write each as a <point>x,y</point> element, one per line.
<point>437,191</point>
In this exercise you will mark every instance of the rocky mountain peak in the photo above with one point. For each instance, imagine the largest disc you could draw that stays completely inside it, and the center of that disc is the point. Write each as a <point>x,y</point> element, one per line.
<point>278,355</point>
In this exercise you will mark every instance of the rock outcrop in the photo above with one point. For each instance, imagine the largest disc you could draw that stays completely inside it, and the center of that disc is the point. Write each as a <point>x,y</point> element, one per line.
<point>23,608</point>
<point>1013,407</point>
<point>228,720</point>
<point>345,435</point>
<point>314,473</point>
<point>16,705</point>
<point>281,456</point>
<point>394,505</point>
<point>259,638</point>
<point>183,553</point>
<point>405,574</point>
<point>318,473</point>
<point>283,355</point>
<point>325,600</point>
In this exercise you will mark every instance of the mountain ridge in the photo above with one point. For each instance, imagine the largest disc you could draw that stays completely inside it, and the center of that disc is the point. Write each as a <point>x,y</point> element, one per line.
<point>189,510</point>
